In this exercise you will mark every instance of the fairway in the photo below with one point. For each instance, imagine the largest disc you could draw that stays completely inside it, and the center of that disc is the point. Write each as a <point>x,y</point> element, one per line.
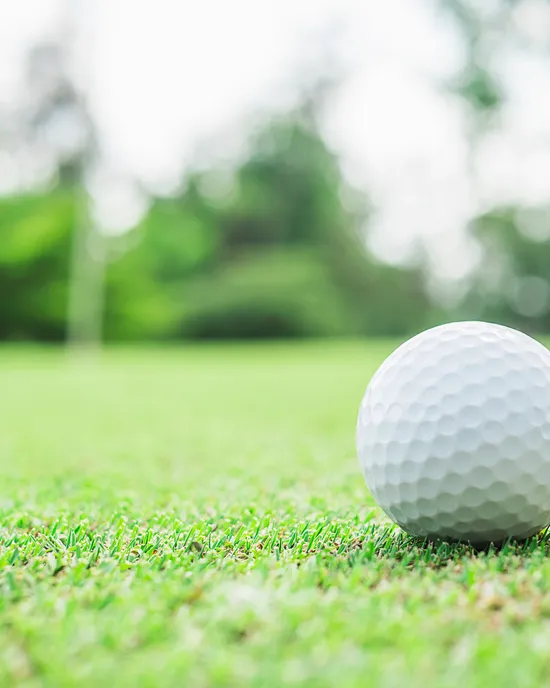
<point>196,517</point>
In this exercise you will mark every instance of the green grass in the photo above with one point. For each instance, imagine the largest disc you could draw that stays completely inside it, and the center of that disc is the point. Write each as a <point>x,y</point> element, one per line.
<point>197,518</point>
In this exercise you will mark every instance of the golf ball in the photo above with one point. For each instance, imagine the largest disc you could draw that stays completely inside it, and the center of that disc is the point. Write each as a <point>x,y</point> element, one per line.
<point>453,434</point>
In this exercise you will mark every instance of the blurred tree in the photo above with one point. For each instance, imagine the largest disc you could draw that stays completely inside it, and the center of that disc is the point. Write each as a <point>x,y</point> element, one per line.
<point>52,128</point>
<point>513,284</point>
<point>55,121</point>
<point>510,282</point>
<point>275,249</point>
<point>477,85</point>
<point>35,255</point>
<point>147,278</point>
<point>34,259</point>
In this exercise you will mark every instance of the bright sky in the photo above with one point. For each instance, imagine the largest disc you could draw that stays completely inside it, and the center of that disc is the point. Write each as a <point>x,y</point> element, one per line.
<point>170,81</point>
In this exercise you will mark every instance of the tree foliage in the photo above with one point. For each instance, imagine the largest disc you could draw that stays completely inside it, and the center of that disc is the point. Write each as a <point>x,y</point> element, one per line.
<point>279,251</point>
<point>34,260</point>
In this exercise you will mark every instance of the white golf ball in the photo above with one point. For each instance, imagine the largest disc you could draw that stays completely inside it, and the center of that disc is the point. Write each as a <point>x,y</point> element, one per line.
<point>453,434</point>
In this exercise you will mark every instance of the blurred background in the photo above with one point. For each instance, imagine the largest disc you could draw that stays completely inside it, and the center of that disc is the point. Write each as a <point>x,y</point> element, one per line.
<point>177,170</point>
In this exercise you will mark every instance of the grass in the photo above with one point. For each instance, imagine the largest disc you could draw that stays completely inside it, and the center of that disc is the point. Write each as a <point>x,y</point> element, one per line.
<point>197,518</point>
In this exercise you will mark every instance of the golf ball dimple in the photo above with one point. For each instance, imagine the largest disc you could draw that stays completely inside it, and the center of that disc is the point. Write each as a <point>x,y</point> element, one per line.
<point>453,434</point>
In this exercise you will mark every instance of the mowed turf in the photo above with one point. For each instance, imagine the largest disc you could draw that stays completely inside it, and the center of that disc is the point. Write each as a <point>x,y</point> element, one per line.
<point>197,517</point>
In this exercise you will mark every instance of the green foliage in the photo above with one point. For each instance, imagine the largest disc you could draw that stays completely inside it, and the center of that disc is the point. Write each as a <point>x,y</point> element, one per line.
<point>198,518</point>
<point>479,88</point>
<point>478,84</point>
<point>278,249</point>
<point>34,262</point>
<point>512,284</point>
<point>279,254</point>
<point>137,306</point>
<point>271,292</point>
<point>179,235</point>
